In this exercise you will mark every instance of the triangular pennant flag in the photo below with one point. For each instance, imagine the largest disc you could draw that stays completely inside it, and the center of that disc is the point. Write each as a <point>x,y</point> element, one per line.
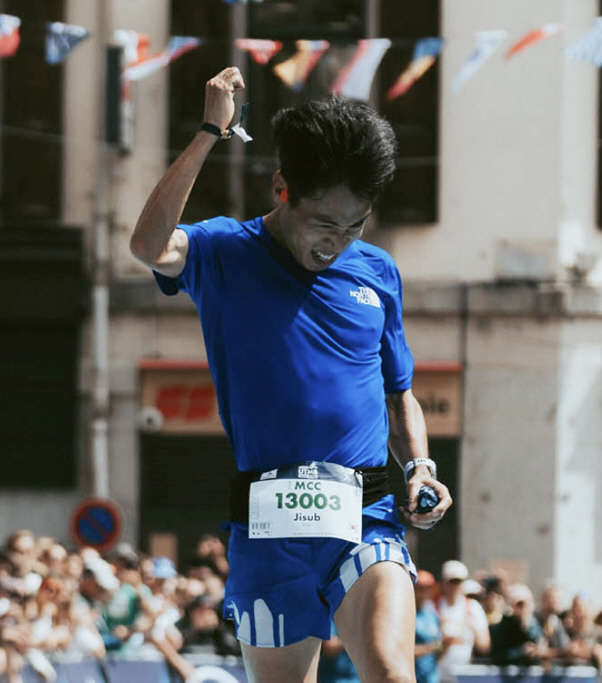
<point>61,39</point>
<point>9,35</point>
<point>589,47</point>
<point>294,71</point>
<point>486,43</point>
<point>355,79</point>
<point>136,45</point>
<point>178,45</point>
<point>532,37</point>
<point>425,54</point>
<point>261,50</point>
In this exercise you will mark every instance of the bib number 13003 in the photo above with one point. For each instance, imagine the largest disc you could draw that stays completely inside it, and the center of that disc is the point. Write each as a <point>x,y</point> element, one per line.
<point>307,501</point>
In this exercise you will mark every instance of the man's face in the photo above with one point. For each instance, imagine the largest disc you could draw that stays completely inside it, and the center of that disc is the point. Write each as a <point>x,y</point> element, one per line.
<point>317,230</point>
<point>451,588</point>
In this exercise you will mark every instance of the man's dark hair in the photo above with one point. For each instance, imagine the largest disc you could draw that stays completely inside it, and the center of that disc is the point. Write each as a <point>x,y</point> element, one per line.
<point>334,141</point>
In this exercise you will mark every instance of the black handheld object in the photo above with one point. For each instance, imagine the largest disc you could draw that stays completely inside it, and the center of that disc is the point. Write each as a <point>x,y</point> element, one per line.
<point>427,500</point>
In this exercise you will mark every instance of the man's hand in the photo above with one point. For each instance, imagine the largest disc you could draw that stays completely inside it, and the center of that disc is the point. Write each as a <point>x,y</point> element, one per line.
<point>219,97</point>
<point>422,477</point>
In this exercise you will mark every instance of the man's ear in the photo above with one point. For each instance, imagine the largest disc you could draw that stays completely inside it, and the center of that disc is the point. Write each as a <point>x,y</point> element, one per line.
<point>280,187</point>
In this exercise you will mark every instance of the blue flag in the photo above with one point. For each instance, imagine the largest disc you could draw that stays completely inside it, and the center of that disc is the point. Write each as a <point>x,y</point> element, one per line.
<point>61,39</point>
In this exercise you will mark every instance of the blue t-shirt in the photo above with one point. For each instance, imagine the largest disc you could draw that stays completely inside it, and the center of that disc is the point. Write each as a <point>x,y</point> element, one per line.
<point>428,630</point>
<point>301,361</point>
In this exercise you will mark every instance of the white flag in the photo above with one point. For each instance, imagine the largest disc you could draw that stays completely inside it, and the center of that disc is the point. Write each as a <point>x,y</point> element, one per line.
<point>487,42</point>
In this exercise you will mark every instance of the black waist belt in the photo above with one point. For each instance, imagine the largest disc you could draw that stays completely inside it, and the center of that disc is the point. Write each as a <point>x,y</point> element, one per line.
<point>376,485</point>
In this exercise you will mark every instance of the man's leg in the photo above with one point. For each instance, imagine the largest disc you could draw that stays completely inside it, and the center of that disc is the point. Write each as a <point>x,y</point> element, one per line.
<point>296,663</point>
<point>376,622</point>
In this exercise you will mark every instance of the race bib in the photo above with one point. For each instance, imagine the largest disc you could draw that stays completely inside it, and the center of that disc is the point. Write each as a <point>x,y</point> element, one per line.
<point>318,499</point>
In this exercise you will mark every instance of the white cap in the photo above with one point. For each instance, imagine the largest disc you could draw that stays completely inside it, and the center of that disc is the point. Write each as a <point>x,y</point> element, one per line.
<point>471,587</point>
<point>103,574</point>
<point>454,569</point>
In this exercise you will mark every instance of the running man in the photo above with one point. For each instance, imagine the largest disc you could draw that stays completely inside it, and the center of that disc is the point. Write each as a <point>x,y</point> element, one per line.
<point>304,337</point>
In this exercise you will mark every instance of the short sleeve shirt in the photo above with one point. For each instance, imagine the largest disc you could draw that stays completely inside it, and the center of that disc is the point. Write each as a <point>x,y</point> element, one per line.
<point>301,361</point>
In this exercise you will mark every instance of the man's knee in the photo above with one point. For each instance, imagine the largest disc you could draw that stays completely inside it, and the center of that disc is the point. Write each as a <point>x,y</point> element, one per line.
<point>381,667</point>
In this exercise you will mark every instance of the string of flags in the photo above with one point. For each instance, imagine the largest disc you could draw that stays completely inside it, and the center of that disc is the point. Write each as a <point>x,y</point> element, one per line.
<point>354,79</point>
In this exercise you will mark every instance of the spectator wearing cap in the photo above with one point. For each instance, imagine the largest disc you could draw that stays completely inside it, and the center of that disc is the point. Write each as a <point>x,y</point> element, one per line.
<point>464,624</point>
<point>518,639</point>
<point>161,605</point>
<point>96,586</point>
<point>127,604</point>
<point>493,599</point>
<point>428,629</point>
<point>161,582</point>
<point>98,581</point>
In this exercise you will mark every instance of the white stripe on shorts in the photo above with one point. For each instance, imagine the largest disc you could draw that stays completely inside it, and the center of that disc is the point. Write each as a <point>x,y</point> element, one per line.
<point>368,554</point>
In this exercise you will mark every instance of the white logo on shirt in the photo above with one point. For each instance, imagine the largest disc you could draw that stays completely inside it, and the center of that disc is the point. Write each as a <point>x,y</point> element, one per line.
<point>365,295</point>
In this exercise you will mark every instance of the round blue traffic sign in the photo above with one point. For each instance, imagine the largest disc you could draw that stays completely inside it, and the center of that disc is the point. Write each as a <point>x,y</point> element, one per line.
<point>96,522</point>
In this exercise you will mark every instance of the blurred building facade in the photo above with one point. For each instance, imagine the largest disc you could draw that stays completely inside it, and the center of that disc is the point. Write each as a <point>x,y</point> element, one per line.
<point>493,221</point>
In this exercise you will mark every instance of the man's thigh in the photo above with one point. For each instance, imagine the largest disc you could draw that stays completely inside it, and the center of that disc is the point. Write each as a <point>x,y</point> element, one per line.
<point>376,622</point>
<point>296,663</point>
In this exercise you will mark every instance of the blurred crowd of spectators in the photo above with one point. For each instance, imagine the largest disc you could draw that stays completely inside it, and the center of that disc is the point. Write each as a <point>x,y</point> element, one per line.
<point>483,618</point>
<point>63,605</point>
<point>58,604</point>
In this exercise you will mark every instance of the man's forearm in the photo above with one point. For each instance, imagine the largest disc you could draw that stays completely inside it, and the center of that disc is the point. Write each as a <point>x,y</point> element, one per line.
<point>407,428</point>
<point>153,241</point>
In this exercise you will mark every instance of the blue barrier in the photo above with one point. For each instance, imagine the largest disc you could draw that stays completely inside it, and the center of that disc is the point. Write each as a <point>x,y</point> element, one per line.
<point>77,672</point>
<point>476,673</point>
<point>126,671</point>
<point>216,669</point>
<point>208,669</point>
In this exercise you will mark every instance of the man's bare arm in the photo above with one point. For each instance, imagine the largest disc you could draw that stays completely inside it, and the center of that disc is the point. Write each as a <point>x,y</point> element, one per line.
<point>155,240</point>
<point>408,441</point>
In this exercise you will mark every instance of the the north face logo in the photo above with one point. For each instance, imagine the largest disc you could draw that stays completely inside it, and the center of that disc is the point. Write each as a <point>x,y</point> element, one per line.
<point>365,295</point>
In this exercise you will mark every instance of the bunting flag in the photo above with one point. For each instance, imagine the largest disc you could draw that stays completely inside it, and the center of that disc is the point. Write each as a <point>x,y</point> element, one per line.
<point>178,45</point>
<point>261,51</point>
<point>9,35</point>
<point>61,39</point>
<point>355,79</point>
<point>532,37</point>
<point>589,47</point>
<point>425,54</point>
<point>294,71</point>
<point>487,42</point>
<point>136,45</point>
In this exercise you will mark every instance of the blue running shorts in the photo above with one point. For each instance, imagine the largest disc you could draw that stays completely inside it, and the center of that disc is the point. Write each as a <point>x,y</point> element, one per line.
<point>281,591</point>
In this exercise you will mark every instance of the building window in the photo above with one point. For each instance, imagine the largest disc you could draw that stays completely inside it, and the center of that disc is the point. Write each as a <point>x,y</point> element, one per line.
<point>40,327</point>
<point>31,116</point>
<point>412,199</point>
<point>188,75</point>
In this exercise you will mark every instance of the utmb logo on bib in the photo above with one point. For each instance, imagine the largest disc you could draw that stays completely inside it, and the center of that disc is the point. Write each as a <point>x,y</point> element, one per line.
<point>308,472</point>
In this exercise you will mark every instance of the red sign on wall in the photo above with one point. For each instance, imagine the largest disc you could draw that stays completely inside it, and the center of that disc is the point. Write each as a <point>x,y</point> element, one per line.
<point>184,395</point>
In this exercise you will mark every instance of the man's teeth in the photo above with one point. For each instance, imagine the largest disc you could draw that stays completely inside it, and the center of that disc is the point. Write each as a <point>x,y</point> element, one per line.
<point>324,257</point>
